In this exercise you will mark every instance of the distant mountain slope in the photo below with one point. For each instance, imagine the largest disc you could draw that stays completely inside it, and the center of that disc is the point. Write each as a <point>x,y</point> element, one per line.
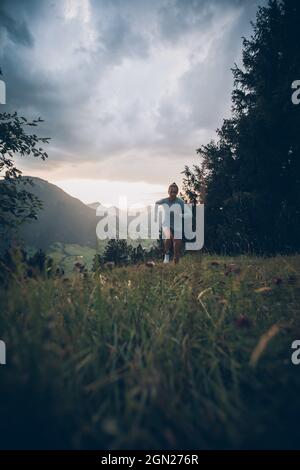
<point>63,219</point>
<point>94,205</point>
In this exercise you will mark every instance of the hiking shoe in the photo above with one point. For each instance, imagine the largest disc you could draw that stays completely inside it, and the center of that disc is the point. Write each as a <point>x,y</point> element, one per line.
<point>167,259</point>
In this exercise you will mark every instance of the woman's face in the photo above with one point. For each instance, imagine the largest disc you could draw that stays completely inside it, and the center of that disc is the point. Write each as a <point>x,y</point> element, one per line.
<point>173,191</point>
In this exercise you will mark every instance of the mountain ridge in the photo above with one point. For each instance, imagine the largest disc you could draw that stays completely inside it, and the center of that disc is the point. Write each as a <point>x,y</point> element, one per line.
<point>63,218</point>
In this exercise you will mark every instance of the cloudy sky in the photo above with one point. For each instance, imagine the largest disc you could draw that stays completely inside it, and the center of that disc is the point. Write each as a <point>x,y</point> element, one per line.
<point>128,89</point>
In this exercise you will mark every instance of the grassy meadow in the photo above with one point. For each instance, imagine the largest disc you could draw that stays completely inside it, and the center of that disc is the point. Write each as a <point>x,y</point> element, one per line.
<point>194,356</point>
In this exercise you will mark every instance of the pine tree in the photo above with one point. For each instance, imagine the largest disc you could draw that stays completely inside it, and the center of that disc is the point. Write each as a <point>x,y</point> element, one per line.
<point>250,176</point>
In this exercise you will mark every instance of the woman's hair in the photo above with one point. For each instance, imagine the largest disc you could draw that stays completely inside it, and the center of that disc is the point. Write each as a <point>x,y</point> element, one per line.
<point>173,185</point>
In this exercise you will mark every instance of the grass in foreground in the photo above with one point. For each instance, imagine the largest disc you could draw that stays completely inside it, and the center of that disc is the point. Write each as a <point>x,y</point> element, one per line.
<point>154,358</point>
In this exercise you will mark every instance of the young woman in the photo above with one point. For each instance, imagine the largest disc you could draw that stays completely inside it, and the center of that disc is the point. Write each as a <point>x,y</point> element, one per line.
<point>172,226</point>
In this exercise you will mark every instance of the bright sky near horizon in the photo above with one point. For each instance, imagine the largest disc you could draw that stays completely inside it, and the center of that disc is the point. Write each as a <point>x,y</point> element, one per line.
<point>109,192</point>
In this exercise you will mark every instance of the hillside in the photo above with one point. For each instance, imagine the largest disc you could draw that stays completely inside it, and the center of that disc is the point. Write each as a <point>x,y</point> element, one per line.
<point>94,205</point>
<point>63,219</point>
<point>196,356</point>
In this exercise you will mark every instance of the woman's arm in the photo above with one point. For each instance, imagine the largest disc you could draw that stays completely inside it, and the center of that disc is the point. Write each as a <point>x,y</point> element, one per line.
<point>160,202</point>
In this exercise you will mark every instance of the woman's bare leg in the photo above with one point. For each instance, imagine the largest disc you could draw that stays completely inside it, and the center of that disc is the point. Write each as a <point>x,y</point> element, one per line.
<point>167,245</point>
<point>177,249</point>
<point>167,240</point>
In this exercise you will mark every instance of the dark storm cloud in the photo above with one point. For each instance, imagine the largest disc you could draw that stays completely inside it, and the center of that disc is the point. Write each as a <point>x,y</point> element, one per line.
<point>14,18</point>
<point>118,40</point>
<point>179,17</point>
<point>17,31</point>
<point>149,79</point>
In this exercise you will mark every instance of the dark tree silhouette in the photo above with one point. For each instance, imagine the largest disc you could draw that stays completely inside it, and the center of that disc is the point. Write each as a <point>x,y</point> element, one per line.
<point>17,203</point>
<point>249,178</point>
